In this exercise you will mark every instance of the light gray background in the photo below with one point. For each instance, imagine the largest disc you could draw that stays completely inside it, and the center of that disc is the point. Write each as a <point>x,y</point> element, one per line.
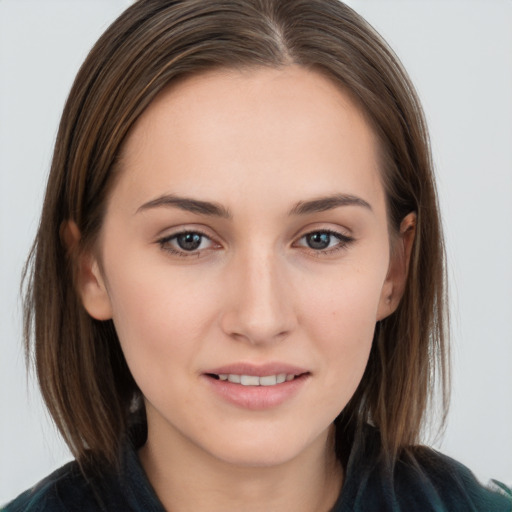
<point>459,54</point>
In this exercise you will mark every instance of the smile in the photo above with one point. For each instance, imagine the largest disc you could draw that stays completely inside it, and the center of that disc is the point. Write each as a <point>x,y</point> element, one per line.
<point>254,380</point>
<point>239,386</point>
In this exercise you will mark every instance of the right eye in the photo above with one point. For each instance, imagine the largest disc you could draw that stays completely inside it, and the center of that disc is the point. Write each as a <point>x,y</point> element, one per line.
<point>186,243</point>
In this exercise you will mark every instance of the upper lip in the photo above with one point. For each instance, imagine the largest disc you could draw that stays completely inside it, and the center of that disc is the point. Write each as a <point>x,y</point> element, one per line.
<point>258,370</point>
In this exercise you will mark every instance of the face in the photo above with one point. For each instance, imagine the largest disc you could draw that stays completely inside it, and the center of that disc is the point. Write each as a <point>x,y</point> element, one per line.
<point>245,259</point>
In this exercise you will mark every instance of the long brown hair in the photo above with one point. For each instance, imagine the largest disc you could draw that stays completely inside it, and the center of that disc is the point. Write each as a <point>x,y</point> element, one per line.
<point>82,373</point>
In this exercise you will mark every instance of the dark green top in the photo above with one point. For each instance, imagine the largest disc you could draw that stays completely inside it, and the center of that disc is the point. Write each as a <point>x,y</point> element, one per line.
<point>422,480</point>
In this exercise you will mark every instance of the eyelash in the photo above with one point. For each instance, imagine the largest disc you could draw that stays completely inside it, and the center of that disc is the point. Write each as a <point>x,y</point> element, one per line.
<point>164,243</point>
<point>343,240</point>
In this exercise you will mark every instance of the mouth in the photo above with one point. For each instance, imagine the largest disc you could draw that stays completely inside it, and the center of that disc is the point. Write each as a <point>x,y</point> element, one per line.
<point>257,386</point>
<point>255,380</point>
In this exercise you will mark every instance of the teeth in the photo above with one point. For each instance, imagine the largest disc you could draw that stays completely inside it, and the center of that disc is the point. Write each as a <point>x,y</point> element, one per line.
<point>270,380</point>
<point>253,380</point>
<point>249,380</point>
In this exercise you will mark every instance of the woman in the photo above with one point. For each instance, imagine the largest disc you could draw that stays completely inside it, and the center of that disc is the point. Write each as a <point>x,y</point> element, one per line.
<point>237,288</point>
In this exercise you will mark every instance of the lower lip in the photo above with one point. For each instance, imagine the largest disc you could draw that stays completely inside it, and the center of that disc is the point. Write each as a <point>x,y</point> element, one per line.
<point>257,397</point>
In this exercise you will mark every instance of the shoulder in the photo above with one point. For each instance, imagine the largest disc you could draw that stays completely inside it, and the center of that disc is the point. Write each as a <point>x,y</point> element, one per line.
<point>422,473</point>
<point>105,488</point>
<point>67,489</point>
<point>48,494</point>
<point>422,479</point>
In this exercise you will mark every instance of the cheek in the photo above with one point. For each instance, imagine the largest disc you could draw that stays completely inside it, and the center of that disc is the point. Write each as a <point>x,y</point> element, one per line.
<point>341,320</point>
<point>344,304</point>
<point>159,315</point>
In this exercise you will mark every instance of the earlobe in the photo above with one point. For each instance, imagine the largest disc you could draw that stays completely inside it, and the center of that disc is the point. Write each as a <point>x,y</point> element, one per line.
<point>89,281</point>
<point>92,289</point>
<point>396,279</point>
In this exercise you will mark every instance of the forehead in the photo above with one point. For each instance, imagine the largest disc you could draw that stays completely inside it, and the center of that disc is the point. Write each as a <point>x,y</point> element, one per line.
<point>243,131</point>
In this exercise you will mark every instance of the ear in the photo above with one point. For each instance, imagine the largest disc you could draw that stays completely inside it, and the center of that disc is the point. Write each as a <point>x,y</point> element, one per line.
<point>89,281</point>
<point>394,285</point>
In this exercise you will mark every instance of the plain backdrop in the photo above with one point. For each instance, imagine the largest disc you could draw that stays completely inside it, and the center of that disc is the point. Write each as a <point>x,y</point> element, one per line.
<point>459,54</point>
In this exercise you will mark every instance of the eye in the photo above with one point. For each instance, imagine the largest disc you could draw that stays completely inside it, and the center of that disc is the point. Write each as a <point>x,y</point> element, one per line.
<point>189,241</point>
<point>325,241</point>
<point>186,243</point>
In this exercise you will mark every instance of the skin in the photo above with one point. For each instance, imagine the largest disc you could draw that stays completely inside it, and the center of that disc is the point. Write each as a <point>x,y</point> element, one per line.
<point>257,143</point>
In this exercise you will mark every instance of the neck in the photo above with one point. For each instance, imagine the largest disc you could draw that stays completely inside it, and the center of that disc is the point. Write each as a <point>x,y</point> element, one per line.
<point>185,478</point>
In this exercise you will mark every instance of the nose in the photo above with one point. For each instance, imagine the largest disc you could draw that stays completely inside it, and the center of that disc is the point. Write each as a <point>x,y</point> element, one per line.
<point>260,307</point>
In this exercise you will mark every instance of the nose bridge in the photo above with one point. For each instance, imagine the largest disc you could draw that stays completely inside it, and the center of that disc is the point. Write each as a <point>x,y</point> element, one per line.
<point>260,309</point>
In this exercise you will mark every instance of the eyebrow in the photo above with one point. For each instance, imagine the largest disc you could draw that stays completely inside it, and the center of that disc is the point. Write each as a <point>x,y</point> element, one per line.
<point>209,208</point>
<point>188,205</point>
<point>323,204</point>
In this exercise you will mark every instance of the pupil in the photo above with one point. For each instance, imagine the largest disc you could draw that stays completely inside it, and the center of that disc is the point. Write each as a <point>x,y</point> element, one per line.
<point>189,241</point>
<point>319,240</point>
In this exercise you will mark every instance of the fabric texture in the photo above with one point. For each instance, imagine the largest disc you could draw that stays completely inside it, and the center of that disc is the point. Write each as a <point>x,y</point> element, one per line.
<point>422,480</point>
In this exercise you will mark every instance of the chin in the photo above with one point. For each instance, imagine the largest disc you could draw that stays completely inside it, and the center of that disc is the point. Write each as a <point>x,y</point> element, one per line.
<point>265,451</point>
<point>258,457</point>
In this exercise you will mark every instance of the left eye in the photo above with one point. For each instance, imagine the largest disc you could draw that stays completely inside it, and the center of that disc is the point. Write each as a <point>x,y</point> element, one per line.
<point>189,241</point>
<point>322,240</point>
